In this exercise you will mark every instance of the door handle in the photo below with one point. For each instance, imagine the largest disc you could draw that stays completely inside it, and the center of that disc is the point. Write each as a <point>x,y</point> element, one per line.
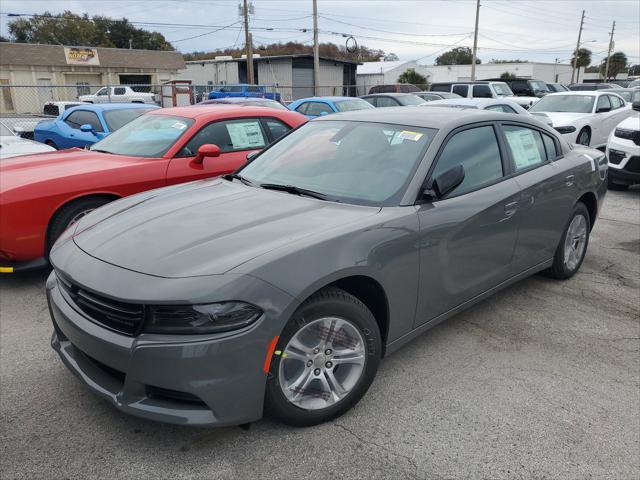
<point>510,209</point>
<point>569,180</point>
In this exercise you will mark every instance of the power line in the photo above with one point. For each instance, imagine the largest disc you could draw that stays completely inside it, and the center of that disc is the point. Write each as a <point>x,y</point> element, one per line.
<point>203,34</point>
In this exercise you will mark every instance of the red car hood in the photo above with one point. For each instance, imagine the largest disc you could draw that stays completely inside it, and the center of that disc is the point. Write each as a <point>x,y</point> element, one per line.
<point>30,169</point>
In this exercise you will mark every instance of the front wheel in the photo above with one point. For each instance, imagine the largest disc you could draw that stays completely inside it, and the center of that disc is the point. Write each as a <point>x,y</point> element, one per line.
<point>70,214</point>
<point>326,359</point>
<point>584,137</point>
<point>573,244</point>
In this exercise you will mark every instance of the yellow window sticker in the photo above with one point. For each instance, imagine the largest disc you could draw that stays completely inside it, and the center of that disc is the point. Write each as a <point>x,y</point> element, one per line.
<point>408,135</point>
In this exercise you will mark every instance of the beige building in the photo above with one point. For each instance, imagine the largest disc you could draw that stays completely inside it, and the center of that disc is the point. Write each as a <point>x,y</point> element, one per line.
<point>32,74</point>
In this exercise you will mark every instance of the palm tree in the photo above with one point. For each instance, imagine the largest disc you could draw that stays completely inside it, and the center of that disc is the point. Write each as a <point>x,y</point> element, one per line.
<point>583,60</point>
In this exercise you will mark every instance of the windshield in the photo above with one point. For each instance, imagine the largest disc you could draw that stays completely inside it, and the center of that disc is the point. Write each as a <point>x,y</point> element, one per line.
<point>146,136</point>
<point>502,90</point>
<point>353,162</point>
<point>538,86</point>
<point>5,131</point>
<point>117,118</point>
<point>410,100</point>
<point>564,103</point>
<point>350,105</point>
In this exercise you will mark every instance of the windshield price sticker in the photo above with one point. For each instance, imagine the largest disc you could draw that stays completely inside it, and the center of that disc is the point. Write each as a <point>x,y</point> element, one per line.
<point>407,135</point>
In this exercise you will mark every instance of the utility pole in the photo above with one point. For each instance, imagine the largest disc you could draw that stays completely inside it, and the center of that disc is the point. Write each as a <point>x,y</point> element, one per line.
<point>575,54</point>
<point>316,51</point>
<point>475,43</point>
<point>247,42</point>
<point>606,70</point>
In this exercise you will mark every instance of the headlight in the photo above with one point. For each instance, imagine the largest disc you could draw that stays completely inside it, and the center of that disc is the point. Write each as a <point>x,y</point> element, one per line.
<point>564,130</point>
<point>633,135</point>
<point>198,319</point>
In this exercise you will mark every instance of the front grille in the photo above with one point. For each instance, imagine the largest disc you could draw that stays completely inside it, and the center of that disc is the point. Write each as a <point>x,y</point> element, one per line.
<point>633,165</point>
<point>127,318</point>
<point>173,395</point>
<point>615,157</point>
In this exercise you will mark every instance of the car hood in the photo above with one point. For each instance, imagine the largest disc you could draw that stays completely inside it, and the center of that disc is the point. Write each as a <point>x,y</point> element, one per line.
<point>631,123</point>
<point>45,167</point>
<point>563,119</point>
<point>207,227</point>
<point>13,146</point>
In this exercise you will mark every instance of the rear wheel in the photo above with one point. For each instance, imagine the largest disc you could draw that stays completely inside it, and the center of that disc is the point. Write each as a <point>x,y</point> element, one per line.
<point>326,359</point>
<point>584,137</point>
<point>70,214</point>
<point>573,244</point>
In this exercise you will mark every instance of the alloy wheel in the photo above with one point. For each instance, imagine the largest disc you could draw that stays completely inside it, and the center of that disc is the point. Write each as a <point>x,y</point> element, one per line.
<point>575,242</point>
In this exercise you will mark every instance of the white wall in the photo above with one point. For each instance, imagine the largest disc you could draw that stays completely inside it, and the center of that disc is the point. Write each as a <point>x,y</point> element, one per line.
<point>331,78</point>
<point>538,71</point>
<point>201,73</point>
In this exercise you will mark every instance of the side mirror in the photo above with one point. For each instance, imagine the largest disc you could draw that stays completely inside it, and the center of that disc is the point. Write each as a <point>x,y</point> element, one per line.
<point>205,151</point>
<point>86,127</point>
<point>251,156</point>
<point>636,106</point>
<point>603,109</point>
<point>445,182</point>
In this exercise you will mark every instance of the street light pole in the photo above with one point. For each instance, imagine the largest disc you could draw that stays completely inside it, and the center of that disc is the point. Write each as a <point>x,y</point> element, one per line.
<point>248,42</point>
<point>475,43</point>
<point>316,51</point>
<point>606,70</point>
<point>575,54</point>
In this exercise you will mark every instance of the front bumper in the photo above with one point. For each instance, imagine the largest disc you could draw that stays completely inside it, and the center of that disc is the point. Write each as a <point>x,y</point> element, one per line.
<point>199,380</point>
<point>624,161</point>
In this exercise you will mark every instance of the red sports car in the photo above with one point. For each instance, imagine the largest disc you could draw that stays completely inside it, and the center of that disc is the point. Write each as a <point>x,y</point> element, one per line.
<point>41,195</point>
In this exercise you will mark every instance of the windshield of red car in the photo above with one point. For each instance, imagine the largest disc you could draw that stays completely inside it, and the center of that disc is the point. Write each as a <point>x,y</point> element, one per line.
<point>353,162</point>
<point>146,136</point>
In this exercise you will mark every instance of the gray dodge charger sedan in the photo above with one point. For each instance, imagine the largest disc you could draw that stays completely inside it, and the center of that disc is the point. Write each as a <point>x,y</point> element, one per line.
<point>279,288</point>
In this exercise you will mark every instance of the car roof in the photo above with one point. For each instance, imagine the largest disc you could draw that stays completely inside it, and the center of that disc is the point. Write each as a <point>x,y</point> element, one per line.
<point>390,94</point>
<point>221,110</point>
<point>438,118</point>
<point>102,107</point>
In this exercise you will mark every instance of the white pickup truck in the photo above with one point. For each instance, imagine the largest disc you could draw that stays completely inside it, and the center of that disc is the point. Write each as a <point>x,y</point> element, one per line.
<point>119,94</point>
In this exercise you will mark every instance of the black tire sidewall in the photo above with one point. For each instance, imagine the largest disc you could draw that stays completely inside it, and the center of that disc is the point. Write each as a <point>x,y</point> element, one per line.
<point>588,133</point>
<point>60,222</point>
<point>328,302</point>
<point>559,263</point>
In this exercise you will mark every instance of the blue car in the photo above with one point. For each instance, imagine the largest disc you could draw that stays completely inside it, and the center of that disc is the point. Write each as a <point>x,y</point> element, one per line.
<point>87,123</point>
<point>313,107</point>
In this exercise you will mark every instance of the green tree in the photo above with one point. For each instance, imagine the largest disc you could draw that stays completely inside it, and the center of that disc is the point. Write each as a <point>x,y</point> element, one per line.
<point>617,64</point>
<point>583,59</point>
<point>457,56</point>
<point>508,76</point>
<point>71,29</point>
<point>414,78</point>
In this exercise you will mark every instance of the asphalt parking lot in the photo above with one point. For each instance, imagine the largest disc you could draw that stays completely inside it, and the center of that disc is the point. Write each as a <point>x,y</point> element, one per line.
<point>540,381</point>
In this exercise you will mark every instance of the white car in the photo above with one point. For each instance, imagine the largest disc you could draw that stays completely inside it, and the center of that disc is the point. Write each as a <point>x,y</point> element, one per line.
<point>506,105</point>
<point>623,152</point>
<point>119,94</point>
<point>584,117</point>
<point>12,145</point>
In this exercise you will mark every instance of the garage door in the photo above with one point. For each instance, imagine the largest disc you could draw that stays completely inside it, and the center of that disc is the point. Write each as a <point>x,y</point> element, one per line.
<point>302,83</point>
<point>81,85</point>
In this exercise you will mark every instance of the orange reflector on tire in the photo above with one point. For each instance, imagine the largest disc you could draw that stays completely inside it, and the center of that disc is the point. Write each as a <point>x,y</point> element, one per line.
<point>270,349</point>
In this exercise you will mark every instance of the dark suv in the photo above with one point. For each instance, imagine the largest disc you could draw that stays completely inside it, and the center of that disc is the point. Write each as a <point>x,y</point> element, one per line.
<point>524,87</point>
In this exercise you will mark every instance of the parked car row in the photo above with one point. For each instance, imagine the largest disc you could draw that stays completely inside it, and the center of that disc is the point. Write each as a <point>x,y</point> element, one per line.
<point>319,247</point>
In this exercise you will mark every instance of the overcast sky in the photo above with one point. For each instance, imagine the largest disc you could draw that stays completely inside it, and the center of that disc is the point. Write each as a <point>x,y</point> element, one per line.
<point>535,30</point>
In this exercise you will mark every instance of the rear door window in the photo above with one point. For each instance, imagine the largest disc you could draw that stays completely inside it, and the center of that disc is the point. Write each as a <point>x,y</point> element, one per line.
<point>461,90</point>
<point>526,146</point>
<point>481,91</point>
<point>119,91</point>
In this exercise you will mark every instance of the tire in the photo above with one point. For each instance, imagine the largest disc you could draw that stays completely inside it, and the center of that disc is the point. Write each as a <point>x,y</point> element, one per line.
<point>565,265</point>
<point>616,186</point>
<point>51,143</point>
<point>68,215</point>
<point>584,137</point>
<point>313,323</point>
